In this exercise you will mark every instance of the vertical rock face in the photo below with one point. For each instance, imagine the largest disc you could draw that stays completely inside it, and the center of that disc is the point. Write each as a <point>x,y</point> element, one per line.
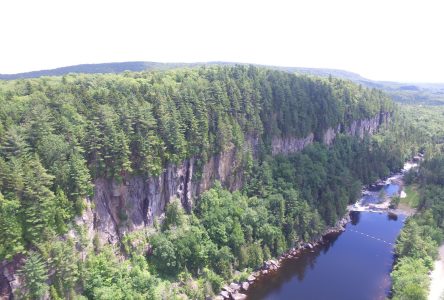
<point>330,135</point>
<point>365,126</point>
<point>289,145</point>
<point>362,127</point>
<point>137,201</point>
<point>359,128</point>
<point>9,280</point>
<point>5,288</point>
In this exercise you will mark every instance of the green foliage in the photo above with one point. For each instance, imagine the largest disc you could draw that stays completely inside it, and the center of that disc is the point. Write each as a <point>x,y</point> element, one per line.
<point>410,279</point>
<point>135,122</point>
<point>418,241</point>
<point>11,241</point>
<point>413,242</point>
<point>221,261</point>
<point>174,215</point>
<point>394,202</point>
<point>34,274</point>
<point>63,212</point>
<point>255,256</point>
<point>213,279</point>
<point>164,255</point>
<point>412,196</point>
<point>105,277</point>
<point>427,119</point>
<point>63,259</point>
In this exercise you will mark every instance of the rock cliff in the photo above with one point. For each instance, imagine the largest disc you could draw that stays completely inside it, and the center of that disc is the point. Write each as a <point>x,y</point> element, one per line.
<point>287,145</point>
<point>358,128</point>
<point>136,201</point>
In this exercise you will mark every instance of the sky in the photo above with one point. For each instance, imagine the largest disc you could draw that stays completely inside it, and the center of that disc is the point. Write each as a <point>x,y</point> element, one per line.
<point>379,39</point>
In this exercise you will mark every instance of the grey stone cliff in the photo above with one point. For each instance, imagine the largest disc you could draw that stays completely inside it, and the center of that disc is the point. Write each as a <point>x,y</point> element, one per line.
<point>137,201</point>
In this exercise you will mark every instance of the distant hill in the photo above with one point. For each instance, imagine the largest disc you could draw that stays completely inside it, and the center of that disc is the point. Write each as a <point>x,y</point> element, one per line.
<point>135,66</point>
<point>418,93</point>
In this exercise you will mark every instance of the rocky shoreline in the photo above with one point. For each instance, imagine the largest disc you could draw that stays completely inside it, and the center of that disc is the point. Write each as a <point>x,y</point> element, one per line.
<point>235,290</point>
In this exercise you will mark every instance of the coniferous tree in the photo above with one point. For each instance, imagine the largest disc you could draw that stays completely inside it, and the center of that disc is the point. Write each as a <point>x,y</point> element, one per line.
<point>11,241</point>
<point>34,274</point>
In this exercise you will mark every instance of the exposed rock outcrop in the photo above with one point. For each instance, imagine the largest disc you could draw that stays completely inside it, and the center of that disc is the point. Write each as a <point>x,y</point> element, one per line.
<point>367,126</point>
<point>287,145</point>
<point>361,128</point>
<point>9,280</point>
<point>137,201</point>
<point>330,135</point>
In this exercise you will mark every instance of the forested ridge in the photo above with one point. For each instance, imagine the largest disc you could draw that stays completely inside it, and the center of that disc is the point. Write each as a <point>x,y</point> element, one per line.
<point>412,93</point>
<point>59,134</point>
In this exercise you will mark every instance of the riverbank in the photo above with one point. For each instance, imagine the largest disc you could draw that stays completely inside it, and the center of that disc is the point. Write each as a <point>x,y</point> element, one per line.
<point>348,265</point>
<point>437,277</point>
<point>378,190</point>
<point>236,290</point>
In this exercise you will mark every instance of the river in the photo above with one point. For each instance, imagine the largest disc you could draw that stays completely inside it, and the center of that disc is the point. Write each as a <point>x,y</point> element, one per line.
<point>354,264</point>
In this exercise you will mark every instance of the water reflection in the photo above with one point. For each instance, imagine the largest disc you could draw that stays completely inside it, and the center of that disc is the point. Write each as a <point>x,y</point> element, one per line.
<point>292,269</point>
<point>347,266</point>
<point>392,217</point>
<point>355,217</point>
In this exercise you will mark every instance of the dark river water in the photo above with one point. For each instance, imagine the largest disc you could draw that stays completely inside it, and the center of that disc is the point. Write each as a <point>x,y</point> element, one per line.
<point>354,264</point>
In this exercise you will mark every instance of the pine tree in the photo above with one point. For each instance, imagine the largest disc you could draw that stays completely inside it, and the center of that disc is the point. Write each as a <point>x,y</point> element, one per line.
<point>37,201</point>
<point>11,241</point>
<point>63,260</point>
<point>34,274</point>
<point>79,184</point>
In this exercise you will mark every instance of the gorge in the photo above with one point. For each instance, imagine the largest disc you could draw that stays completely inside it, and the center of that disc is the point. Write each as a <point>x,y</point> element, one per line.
<point>169,183</point>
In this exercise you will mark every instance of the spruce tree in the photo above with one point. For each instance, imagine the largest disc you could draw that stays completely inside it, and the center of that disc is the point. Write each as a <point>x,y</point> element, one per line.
<point>34,274</point>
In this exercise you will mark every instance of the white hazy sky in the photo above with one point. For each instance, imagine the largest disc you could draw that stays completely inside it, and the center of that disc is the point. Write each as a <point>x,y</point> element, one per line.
<point>379,39</point>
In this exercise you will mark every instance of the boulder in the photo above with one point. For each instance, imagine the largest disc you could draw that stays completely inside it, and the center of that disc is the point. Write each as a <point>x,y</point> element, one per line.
<point>251,278</point>
<point>227,289</point>
<point>238,296</point>
<point>234,286</point>
<point>245,286</point>
<point>274,263</point>
<point>218,297</point>
<point>225,294</point>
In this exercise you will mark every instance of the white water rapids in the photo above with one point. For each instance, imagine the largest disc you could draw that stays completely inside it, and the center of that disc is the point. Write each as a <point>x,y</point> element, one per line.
<point>382,204</point>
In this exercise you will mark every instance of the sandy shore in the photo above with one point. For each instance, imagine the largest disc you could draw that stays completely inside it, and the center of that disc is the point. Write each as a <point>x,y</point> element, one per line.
<point>437,277</point>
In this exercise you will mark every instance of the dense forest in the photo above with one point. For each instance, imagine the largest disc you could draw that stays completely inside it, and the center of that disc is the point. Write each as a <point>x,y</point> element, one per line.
<point>59,134</point>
